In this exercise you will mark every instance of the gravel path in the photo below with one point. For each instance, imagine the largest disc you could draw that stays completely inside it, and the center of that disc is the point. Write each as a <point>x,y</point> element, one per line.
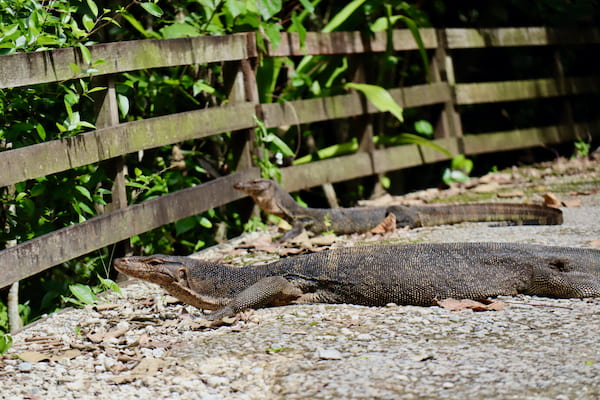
<point>145,345</point>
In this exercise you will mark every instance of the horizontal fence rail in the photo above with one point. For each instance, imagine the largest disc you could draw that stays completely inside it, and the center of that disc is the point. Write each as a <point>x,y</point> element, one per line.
<point>118,139</point>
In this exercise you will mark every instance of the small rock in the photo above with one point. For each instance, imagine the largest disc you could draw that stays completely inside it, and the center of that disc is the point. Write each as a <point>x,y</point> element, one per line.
<point>25,367</point>
<point>329,354</point>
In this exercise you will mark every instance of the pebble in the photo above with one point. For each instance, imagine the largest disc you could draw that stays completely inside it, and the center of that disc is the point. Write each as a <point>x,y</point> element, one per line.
<point>329,354</point>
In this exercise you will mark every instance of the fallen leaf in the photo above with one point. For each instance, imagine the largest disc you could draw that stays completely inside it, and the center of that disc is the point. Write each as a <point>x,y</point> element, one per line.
<point>594,243</point>
<point>572,203</point>
<point>550,200</point>
<point>487,187</point>
<point>387,225</point>
<point>146,367</point>
<point>451,304</point>
<point>506,195</point>
<point>33,356</point>
<point>324,240</point>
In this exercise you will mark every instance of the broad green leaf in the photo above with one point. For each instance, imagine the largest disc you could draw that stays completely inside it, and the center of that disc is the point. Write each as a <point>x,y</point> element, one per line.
<point>6,342</point>
<point>85,53</point>
<point>88,22</point>
<point>109,284</point>
<point>279,144</point>
<point>307,6</point>
<point>380,98</point>
<point>424,128</point>
<point>123,103</point>
<point>86,208</point>
<point>185,225</point>
<point>137,25</point>
<point>84,191</point>
<point>272,32</point>
<point>201,86</point>
<point>297,26</point>
<point>152,8</point>
<point>205,222</point>
<point>178,30</point>
<point>83,293</point>
<point>268,8</point>
<point>93,7</point>
<point>40,131</point>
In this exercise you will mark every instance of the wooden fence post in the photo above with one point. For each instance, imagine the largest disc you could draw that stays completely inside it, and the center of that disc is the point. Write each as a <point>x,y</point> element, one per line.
<point>107,114</point>
<point>442,70</point>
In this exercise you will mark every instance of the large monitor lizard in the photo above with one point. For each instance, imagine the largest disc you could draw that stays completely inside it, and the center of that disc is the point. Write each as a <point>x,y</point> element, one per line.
<point>416,274</point>
<point>273,199</point>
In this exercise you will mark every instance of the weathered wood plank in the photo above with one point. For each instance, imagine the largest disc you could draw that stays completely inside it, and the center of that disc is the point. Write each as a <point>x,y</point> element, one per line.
<point>350,105</point>
<point>38,254</point>
<point>489,92</point>
<point>322,43</point>
<point>90,147</point>
<point>459,38</point>
<point>357,165</point>
<point>54,65</point>
<point>525,138</point>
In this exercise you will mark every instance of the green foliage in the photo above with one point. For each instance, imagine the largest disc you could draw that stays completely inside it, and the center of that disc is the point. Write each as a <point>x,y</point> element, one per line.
<point>459,170</point>
<point>5,343</point>
<point>582,148</point>
<point>380,98</point>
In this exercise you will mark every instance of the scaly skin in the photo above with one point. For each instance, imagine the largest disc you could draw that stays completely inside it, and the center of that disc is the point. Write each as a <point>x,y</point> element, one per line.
<point>273,199</point>
<point>416,274</point>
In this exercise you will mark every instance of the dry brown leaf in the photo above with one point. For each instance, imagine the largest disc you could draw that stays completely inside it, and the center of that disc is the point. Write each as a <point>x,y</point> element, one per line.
<point>550,200</point>
<point>302,240</point>
<point>451,304</point>
<point>146,367</point>
<point>387,225</point>
<point>324,240</point>
<point>515,193</point>
<point>33,356</point>
<point>572,203</point>
<point>37,356</point>
<point>487,187</point>
<point>594,243</point>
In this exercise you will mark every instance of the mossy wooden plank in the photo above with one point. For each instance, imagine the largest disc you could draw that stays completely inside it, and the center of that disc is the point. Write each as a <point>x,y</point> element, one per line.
<point>350,105</point>
<point>525,138</point>
<point>488,92</point>
<point>326,171</point>
<point>90,147</point>
<point>459,38</point>
<point>55,65</point>
<point>45,251</point>
<point>327,43</point>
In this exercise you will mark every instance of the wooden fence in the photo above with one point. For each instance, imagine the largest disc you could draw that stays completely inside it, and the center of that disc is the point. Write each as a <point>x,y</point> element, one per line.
<point>112,139</point>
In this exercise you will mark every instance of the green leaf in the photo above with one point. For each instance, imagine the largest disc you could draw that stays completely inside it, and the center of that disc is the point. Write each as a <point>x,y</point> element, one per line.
<point>412,26</point>
<point>205,222</point>
<point>109,284</point>
<point>93,7</point>
<point>343,15</point>
<point>85,53</point>
<point>179,30</point>
<point>308,6</point>
<point>152,9</point>
<point>201,86</point>
<point>88,22</point>
<point>272,32</point>
<point>6,342</point>
<point>379,97</point>
<point>84,191</point>
<point>424,128</point>
<point>279,144</point>
<point>123,104</point>
<point>268,8</point>
<point>185,225</point>
<point>83,293</point>
<point>40,131</point>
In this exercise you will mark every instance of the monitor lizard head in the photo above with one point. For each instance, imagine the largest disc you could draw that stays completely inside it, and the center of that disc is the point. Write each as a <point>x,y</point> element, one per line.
<point>270,197</point>
<point>176,274</point>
